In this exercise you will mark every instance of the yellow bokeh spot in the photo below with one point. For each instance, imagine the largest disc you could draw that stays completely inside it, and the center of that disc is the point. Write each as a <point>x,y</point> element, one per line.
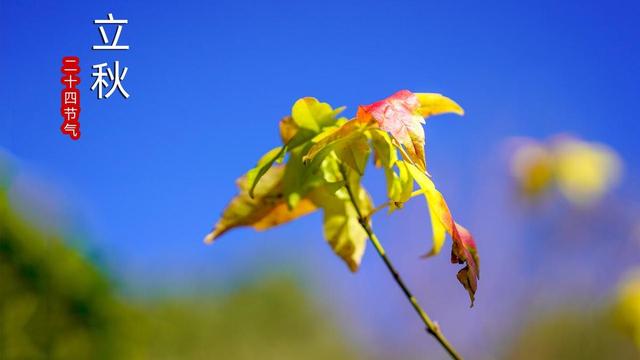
<point>585,171</point>
<point>581,171</point>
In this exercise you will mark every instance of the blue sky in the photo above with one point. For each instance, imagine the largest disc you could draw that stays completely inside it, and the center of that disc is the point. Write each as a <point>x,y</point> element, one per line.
<point>209,81</point>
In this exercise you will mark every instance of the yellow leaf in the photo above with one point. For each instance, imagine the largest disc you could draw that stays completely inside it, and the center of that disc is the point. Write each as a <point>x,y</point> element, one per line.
<point>441,221</point>
<point>281,214</point>
<point>342,228</point>
<point>464,247</point>
<point>266,209</point>
<point>435,104</point>
<point>355,153</point>
<point>332,137</point>
<point>288,129</point>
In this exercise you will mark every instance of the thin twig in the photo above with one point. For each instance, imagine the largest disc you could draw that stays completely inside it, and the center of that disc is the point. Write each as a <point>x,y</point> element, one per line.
<point>388,203</point>
<point>432,327</point>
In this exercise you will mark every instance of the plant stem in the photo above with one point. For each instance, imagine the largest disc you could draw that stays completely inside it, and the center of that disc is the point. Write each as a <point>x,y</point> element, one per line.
<point>432,327</point>
<point>388,203</point>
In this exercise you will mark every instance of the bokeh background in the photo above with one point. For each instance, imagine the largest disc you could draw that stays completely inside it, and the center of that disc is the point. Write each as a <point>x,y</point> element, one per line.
<point>101,249</point>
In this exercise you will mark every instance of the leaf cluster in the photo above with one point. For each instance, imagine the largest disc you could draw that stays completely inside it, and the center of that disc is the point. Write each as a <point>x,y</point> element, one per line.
<point>320,165</point>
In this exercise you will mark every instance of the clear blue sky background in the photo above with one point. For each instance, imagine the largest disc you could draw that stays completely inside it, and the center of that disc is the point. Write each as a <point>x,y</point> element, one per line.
<point>209,81</point>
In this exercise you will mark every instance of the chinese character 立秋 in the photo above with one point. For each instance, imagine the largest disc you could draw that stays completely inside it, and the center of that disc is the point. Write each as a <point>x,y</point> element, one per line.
<point>113,45</point>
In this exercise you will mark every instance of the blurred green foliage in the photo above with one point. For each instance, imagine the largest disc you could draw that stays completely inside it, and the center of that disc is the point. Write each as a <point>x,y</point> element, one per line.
<point>571,333</point>
<point>53,302</point>
<point>56,304</point>
<point>273,320</point>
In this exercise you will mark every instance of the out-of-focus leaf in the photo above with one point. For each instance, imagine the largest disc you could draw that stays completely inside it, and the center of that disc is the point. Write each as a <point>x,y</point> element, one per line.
<point>264,164</point>
<point>626,306</point>
<point>266,209</point>
<point>582,171</point>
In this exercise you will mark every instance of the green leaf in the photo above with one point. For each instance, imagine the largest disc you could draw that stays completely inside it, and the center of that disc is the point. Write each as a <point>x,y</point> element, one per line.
<point>399,185</point>
<point>406,182</point>
<point>394,187</point>
<point>309,113</point>
<point>264,164</point>
<point>298,178</point>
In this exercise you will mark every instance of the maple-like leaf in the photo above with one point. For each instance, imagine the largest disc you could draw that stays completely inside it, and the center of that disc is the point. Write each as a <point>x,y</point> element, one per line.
<point>402,115</point>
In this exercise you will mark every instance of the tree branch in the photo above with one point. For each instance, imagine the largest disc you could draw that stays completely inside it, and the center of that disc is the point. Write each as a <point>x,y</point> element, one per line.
<point>432,327</point>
